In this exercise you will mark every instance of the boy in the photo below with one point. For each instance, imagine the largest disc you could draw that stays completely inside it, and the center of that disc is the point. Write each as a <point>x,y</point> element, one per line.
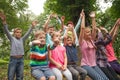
<point>39,60</point>
<point>16,64</point>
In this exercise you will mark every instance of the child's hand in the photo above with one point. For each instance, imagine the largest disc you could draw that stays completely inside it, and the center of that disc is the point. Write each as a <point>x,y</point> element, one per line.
<point>36,42</point>
<point>59,66</point>
<point>64,67</point>
<point>92,14</point>
<point>3,18</point>
<point>62,18</point>
<point>34,23</point>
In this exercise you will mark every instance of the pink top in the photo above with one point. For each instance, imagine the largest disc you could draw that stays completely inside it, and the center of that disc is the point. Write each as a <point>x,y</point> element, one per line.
<point>110,52</point>
<point>88,54</point>
<point>58,55</point>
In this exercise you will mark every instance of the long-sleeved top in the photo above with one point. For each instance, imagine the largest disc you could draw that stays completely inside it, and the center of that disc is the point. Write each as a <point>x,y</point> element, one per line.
<point>101,58</point>
<point>16,45</point>
<point>75,30</point>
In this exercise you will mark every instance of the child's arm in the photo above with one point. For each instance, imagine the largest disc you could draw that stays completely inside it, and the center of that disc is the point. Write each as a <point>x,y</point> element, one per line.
<point>3,18</point>
<point>79,22</point>
<point>92,15</point>
<point>34,23</point>
<point>65,62</point>
<point>114,30</point>
<point>82,29</point>
<point>45,27</point>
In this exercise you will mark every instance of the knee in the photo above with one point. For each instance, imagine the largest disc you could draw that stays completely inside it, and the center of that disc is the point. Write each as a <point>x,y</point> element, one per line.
<point>76,73</point>
<point>52,78</point>
<point>42,78</point>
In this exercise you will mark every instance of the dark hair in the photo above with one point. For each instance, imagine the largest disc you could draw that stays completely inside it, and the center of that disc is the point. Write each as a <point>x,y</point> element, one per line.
<point>70,22</point>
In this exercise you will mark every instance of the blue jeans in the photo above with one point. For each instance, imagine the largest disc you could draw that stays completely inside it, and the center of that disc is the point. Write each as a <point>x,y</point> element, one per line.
<point>15,67</point>
<point>95,73</point>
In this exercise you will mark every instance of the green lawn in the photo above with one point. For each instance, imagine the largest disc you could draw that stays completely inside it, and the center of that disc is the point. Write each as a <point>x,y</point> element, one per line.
<point>4,66</point>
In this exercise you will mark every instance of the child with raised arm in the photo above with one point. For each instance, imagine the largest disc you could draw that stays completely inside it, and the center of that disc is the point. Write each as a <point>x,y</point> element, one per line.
<point>88,51</point>
<point>16,63</point>
<point>101,52</point>
<point>72,57</point>
<point>58,59</point>
<point>112,59</point>
<point>39,58</point>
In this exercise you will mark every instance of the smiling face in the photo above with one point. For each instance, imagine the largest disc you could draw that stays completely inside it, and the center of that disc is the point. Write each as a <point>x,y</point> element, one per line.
<point>40,35</point>
<point>87,33</point>
<point>56,37</point>
<point>69,41</point>
<point>17,33</point>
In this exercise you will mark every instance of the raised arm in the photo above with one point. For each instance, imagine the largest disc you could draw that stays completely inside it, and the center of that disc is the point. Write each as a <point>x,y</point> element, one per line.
<point>34,23</point>
<point>3,18</point>
<point>79,22</point>
<point>114,30</point>
<point>81,36</point>
<point>92,15</point>
<point>45,27</point>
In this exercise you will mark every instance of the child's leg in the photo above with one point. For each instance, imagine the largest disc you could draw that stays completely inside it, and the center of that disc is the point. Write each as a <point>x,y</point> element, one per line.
<point>83,72</point>
<point>57,73</point>
<point>20,69</point>
<point>74,72</point>
<point>113,73</point>
<point>49,74</point>
<point>11,68</point>
<point>99,71</point>
<point>92,73</point>
<point>107,73</point>
<point>37,73</point>
<point>67,74</point>
<point>115,65</point>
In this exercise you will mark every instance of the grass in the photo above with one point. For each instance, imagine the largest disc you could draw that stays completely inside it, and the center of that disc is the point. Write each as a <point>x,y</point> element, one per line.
<point>4,69</point>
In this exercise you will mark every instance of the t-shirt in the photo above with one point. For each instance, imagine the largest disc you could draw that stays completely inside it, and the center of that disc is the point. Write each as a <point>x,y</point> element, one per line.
<point>38,56</point>
<point>88,54</point>
<point>58,55</point>
<point>110,52</point>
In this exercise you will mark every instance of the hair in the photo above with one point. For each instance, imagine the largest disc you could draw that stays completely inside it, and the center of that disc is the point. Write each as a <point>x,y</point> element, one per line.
<point>50,26</point>
<point>87,28</point>
<point>39,32</point>
<point>17,29</point>
<point>70,22</point>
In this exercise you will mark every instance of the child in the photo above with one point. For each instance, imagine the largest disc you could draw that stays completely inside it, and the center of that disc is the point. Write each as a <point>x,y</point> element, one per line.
<point>39,60</point>
<point>101,52</point>
<point>112,59</point>
<point>16,64</point>
<point>71,50</point>
<point>88,50</point>
<point>58,59</point>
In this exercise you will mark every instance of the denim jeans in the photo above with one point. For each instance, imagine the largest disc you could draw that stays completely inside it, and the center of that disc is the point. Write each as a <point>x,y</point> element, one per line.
<point>15,67</point>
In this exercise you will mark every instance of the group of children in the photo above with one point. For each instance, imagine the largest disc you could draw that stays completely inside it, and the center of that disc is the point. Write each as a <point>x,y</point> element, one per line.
<point>54,54</point>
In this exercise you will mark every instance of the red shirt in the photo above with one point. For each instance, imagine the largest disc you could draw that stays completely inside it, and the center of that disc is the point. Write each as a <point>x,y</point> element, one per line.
<point>110,52</point>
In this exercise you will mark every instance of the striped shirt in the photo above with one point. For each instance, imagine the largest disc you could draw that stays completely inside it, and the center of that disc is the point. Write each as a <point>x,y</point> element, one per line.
<point>38,56</point>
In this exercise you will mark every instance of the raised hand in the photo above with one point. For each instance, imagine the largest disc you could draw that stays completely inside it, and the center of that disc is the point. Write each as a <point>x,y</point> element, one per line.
<point>104,29</point>
<point>92,14</point>
<point>34,23</point>
<point>62,18</point>
<point>3,18</point>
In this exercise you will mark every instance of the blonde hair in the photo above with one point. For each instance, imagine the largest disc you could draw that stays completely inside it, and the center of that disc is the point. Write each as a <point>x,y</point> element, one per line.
<point>38,33</point>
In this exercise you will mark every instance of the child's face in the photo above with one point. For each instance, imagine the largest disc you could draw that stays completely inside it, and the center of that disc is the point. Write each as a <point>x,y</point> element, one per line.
<point>18,34</point>
<point>87,33</point>
<point>51,30</point>
<point>70,25</point>
<point>56,37</point>
<point>42,39</point>
<point>69,41</point>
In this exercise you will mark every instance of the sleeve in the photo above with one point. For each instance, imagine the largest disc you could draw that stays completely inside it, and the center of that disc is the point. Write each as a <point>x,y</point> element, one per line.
<point>78,25</point>
<point>7,32</point>
<point>108,40</point>
<point>27,34</point>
